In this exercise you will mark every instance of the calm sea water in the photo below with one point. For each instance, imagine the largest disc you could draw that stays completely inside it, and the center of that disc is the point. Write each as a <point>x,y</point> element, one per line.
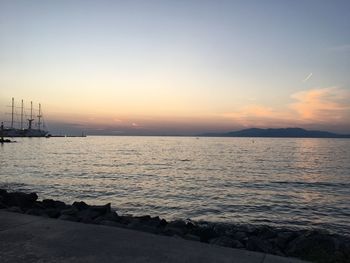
<point>281,182</point>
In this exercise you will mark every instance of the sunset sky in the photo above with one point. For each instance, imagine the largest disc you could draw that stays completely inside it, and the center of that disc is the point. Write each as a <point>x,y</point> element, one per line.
<point>177,67</point>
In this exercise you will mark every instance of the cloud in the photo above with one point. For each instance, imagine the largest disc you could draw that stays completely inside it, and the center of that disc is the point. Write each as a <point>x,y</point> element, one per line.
<point>307,77</point>
<point>319,106</point>
<point>257,116</point>
<point>322,104</point>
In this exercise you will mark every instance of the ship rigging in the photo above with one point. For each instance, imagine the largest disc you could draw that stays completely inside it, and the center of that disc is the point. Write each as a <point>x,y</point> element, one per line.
<point>35,128</point>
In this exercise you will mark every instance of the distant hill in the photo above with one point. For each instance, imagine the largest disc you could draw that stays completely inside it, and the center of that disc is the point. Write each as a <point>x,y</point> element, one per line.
<point>278,133</point>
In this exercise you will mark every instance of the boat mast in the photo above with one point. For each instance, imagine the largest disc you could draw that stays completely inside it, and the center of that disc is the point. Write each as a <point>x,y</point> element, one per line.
<point>39,116</point>
<point>22,115</point>
<point>31,116</point>
<point>13,111</point>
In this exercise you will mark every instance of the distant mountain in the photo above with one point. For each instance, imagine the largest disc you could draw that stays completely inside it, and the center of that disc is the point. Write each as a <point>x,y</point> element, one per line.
<point>278,133</point>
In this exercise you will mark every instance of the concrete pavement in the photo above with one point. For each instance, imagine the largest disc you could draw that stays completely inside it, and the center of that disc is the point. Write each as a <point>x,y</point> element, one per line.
<point>25,238</point>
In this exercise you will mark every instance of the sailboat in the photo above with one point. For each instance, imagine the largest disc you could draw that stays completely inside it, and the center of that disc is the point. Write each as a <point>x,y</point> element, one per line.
<point>35,127</point>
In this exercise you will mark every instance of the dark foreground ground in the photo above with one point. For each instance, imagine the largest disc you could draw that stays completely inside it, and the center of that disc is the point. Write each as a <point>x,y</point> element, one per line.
<point>313,245</point>
<point>26,238</point>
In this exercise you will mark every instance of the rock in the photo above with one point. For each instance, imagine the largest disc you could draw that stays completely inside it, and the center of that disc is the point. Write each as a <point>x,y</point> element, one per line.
<point>283,238</point>
<point>52,212</point>
<point>239,235</point>
<point>143,227</point>
<point>80,205</point>
<point>154,222</point>
<point>87,215</point>
<point>101,209</point>
<point>143,218</point>
<point>2,205</point>
<point>163,223</point>
<point>125,220</point>
<point>237,244</point>
<point>49,203</point>
<point>177,224</point>
<point>172,231</point>
<point>248,229</point>
<point>313,246</point>
<point>36,212</point>
<point>256,244</point>
<point>190,225</point>
<point>113,216</point>
<point>205,233</point>
<point>21,200</point>
<point>265,232</point>
<point>71,211</point>
<point>3,192</point>
<point>225,241</point>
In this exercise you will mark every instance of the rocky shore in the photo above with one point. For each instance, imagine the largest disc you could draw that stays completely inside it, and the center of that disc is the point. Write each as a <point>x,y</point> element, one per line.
<point>311,244</point>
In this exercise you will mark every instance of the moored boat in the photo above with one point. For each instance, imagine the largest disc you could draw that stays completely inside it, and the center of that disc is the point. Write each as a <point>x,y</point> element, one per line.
<point>35,126</point>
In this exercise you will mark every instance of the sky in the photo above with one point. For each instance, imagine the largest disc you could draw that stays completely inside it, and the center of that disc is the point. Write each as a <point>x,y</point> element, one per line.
<point>155,67</point>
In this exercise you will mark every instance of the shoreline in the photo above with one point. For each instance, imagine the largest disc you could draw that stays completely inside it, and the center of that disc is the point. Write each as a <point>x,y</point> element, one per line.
<point>308,244</point>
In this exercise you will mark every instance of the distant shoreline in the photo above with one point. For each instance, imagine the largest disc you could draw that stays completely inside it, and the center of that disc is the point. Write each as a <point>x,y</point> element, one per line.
<point>278,133</point>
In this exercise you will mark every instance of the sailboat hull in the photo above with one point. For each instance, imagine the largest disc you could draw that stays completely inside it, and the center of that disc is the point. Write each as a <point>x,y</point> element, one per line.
<point>24,133</point>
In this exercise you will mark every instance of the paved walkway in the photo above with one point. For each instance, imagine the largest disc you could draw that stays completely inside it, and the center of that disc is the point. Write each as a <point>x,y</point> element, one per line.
<point>25,238</point>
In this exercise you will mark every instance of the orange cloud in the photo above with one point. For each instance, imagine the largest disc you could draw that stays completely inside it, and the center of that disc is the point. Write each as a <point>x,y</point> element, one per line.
<point>316,106</point>
<point>322,105</point>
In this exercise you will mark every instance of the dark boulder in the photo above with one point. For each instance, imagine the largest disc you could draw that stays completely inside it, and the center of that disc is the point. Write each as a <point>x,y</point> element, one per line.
<point>177,224</point>
<point>163,223</point>
<point>112,216</point>
<point>52,212</point>
<point>3,192</point>
<point>154,222</point>
<point>143,218</point>
<point>173,231</point>
<point>144,227</point>
<point>71,211</point>
<point>69,218</point>
<point>36,212</point>
<point>283,238</point>
<point>2,205</point>
<point>226,242</point>
<point>205,233</point>
<point>102,209</point>
<point>80,205</point>
<point>21,200</point>
<point>239,235</point>
<point>257,244</point>
<point>313,246</point>
<point>265,232</point>
<point>50,203</point>
<point>125,220</point>
<point>87,214</point>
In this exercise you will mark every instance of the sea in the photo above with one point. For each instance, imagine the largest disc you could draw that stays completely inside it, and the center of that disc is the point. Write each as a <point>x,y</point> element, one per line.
<point>296,183</point>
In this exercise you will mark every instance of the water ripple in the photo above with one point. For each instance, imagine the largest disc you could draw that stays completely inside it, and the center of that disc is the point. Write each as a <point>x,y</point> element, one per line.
<point>282,182</point>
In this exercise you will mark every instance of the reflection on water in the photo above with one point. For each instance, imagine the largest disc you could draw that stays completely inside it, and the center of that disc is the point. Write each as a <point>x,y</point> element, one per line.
<point>289,182</point>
